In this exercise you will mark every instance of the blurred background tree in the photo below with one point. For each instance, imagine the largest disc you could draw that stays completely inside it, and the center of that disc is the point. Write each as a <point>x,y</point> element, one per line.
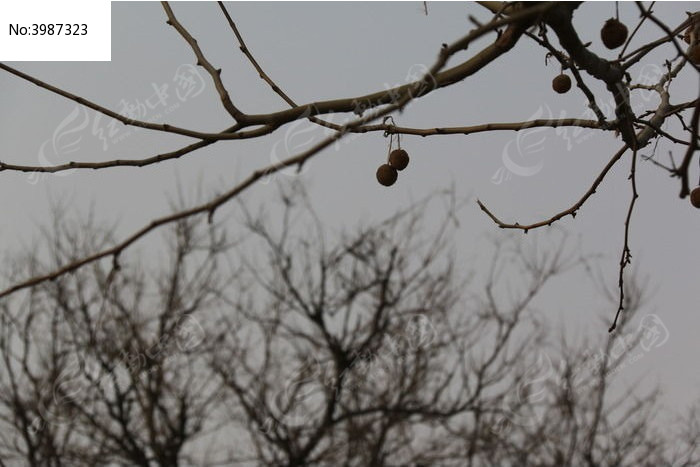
<point>291,345</point>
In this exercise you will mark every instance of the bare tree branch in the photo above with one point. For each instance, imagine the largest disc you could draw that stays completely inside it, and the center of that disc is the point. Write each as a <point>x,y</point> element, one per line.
<point>504,43</point>
<point>203,62</point>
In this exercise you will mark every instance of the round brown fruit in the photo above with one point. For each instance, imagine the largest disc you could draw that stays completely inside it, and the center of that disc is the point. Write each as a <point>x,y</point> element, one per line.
<point>613,33</point>
<point>387,175</point>
<point>695,197</point>
<point>561,83</point>
<point>398,159</point>
<point>694,53</point>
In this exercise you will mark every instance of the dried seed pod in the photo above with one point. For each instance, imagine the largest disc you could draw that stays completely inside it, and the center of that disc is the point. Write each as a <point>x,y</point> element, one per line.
<point>695,197</point>
<point>398,159</point>
<point>613,34</point>
<point>387,175</point>
<point>561,83</point>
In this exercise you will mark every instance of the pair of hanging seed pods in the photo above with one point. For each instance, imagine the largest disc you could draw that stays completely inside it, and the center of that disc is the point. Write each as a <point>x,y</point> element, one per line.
<point>387,174</point>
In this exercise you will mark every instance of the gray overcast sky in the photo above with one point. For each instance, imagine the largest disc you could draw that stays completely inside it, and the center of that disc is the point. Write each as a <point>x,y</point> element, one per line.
<point>319,51</point>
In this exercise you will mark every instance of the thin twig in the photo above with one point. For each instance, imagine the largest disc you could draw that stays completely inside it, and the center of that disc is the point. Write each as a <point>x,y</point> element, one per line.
<point>110,113</point>
<point>608,72</point>
<point>264,76</point>
<point>358,104</point>
<point>437,80</point>
<point>106,164</point>
<point>661,132</point>
<point>634,32</point>
<point>626,256</point>
<point>203,62</point>
<point>570,211</point>
<point>642,137</point>
<point>502,45</point>
<point>671,34</point>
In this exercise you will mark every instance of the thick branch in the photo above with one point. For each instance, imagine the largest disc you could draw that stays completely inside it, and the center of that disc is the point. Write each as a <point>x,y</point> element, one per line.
<point>610,73</point>
<point>519,22</point>
<point>357,104</point>
<point>465,130</point>
<point>504,43</point>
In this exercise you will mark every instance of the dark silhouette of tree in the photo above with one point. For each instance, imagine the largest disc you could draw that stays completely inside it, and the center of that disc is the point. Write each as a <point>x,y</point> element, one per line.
<point>289,345</point>
<point>102,368</point>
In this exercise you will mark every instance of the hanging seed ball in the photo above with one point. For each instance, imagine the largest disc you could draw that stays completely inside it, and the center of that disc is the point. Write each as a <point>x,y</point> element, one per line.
<point>398,159</point>
<point>695,197</point>
<point>387,175</point>
<point>613,33</point>
<point>694,53</point>
<point>561,83</point>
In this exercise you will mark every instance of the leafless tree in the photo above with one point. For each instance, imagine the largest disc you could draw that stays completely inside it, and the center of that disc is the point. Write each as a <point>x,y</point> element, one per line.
<point>103,368</point>
<point>292,346</point>
<point>509,23</point>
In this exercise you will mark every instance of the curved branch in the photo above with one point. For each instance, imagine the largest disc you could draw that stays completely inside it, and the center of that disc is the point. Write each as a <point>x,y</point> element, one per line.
<point>670,34</point>
<point>357,104</point>
<point>571,211</point>
<point>642,137</point>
